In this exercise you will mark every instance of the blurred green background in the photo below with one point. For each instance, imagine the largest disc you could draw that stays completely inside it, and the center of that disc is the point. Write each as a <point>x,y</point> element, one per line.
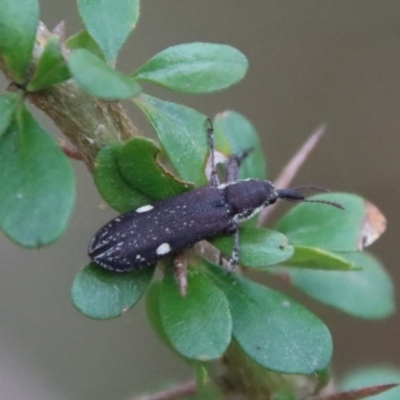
<point>310,62</point>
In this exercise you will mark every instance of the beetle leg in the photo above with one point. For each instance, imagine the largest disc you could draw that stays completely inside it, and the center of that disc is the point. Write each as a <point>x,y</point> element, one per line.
<point>234,162</point>
<point>235,250</point>
<point>180,271</point>
<point>214,181</point>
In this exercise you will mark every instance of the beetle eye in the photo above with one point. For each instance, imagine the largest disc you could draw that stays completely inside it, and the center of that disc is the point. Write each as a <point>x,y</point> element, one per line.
<point>271,200</point>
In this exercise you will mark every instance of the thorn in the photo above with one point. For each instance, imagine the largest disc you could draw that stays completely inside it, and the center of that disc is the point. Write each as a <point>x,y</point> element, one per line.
<point>178,392</point>
<point>292,168</point>
<point>358,394</point>
<point>59,30</point>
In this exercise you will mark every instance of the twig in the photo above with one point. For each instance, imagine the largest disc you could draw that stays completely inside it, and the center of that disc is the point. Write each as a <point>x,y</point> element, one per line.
<point>292,168</point>
<point>178,392</point>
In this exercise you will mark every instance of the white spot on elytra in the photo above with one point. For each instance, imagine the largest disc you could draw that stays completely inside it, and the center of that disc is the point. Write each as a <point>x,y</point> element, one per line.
<point>164,248</point>
<point>144,208</point>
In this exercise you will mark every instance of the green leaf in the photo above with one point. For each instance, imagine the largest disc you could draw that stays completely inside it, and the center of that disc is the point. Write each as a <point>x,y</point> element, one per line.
<point>373,375</point>
<point>198,325</point>
<point>83,40</point>
<point>18,22</point>
<point>37,184</point>
<point>102,294</point>
<point>241,135</point>
<point>272,329</point>
<point>195,67</point>
<point>98,79</point>
<point>111,184</point>
<point>109,22</point>
<point>141,168</point>
<point>152,298</point>
<point>258,247</point>
<point>52,67</point>
<point>8,103</point>
<point>182,133</point>
<point>314,258</point>
<point>365,294</point>
<point>328,228</point>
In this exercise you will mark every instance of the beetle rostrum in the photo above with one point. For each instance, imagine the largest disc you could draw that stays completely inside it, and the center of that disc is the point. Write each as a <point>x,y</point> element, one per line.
<point>143,236</point>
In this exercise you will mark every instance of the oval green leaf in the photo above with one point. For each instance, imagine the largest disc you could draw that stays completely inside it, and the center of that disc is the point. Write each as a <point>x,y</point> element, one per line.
<point>272,329</point>
<point>98,79</point>
<point>182,133</point>
<point>152,298</point>
<point>314,258</point>
<point>325,227</point>
<point>8,103</point>
<point>37,184</point>
<point>139,165</point>
<point>18,22</point>
<point>102,294</point>
<point>52,67</point>
<point>198,325</point>
<point>258,247</point>
<point>83,40</point>
<point>373,375</point>
<point>366,294</point>
<point>112,185</point>
<point>241,135</point>
<point>109,22</point>
<point>195,67</point>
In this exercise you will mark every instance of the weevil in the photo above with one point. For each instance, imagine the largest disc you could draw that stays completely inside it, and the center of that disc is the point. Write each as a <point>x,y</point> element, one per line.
<point>149,233</point>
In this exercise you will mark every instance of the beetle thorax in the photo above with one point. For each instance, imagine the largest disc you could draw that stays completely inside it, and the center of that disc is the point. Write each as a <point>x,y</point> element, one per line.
<point>249,196</point>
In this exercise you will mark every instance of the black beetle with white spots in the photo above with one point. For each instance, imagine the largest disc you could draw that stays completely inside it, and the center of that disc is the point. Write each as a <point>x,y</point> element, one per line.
<point>141,237</point>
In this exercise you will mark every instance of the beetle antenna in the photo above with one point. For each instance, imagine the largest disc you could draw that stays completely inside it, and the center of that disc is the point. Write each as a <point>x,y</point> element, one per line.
<point>330,203</point>
<point>296,195</point>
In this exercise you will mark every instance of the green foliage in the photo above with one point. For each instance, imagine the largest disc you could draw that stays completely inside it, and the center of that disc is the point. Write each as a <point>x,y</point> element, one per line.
<point>100,294</point>
<point>198,326</point>
<point>195,67</point>
<point>181,131</point>
<point>112,185</point>
<point>109,22</point>
<point>272,329</point>
<point>18,22</point>
<point>316,258</point>
<point>98,79</point>
<point>366,293</point>
<point>314,247</point>
<point>242,135</point>
<point>37,183</point>
<point>327,228</point>
<point>258,248</point>
<point>141,168</point>
<point>82,40</point>
<point>51,69</point>
<point>8,103</point>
